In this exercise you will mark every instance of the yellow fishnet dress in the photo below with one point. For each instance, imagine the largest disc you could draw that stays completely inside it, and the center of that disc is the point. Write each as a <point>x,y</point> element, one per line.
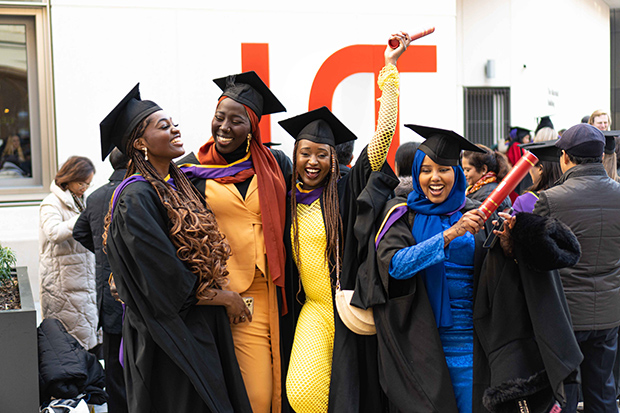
<point>308,378</point>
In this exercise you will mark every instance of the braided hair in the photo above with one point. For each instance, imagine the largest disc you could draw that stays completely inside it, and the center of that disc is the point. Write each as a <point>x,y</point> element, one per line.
<point>193,229</point>
<point>331,209</point>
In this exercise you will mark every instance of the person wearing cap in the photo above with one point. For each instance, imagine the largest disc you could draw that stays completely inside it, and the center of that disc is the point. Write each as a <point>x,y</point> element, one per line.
<point>168,261</point>
<point>455,333</point>
<point>544,174</point>
<point>517,135</point>
<point>243,181</point>
<point>483,172</point>
<point>545,134</point>
<point>544,123</point>
<point>588,201</point>
<point>331,368</point>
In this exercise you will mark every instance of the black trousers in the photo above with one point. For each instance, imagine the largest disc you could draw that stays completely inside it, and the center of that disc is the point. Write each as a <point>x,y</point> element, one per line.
<point>597,381</point>
<point>114,380</point>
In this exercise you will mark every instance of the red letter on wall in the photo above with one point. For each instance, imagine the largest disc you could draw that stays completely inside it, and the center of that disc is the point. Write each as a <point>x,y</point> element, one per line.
<point>255,56</point>
<point>363,59</point>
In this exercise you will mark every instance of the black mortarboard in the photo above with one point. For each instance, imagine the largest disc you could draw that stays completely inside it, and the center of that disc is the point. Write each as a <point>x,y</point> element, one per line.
<point>443,146</point>
<point>610,140</point>
<point>518,133</point>
<point>544,151</point>
<point>248,89</point>
<point>118,125</point>
<point>270,144</point>
<point>319,126</point>
<point>545,122</point>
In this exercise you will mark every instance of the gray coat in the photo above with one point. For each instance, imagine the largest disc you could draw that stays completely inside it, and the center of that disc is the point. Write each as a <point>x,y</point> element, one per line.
<point>588,201</point>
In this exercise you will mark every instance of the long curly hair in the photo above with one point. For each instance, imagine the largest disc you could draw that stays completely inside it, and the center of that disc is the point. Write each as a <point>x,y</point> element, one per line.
<point>193,229</point>
<point>331,210</point>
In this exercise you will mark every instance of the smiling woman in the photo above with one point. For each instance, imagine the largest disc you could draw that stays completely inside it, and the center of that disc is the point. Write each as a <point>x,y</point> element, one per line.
<point>446,230</point>
<point>324,250</point>
<point>169,264</point>
<point>230,126</point>
<point>243,182</point>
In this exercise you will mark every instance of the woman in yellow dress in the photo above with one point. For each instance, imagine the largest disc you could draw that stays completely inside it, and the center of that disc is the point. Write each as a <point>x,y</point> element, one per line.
<point>323,210</point>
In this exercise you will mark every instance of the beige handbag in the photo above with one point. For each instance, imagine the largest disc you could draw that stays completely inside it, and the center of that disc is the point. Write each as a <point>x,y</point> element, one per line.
<point>359,321</point>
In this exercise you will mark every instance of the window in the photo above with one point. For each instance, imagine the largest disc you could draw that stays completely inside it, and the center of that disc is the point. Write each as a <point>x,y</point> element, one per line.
<point>487,115</point>
<point>27,145</point>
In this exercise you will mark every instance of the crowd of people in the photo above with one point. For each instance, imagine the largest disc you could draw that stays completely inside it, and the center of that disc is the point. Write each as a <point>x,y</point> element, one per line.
<point>238,279</point>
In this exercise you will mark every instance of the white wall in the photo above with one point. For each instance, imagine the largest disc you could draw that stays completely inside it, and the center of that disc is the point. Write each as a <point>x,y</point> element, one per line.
<point>175,52</point>
<point>174,49</point>
<point>102,48</point>
<point>539,46</point>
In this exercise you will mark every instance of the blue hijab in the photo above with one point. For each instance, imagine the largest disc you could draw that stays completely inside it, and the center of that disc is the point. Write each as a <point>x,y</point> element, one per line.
<point>427,223</point>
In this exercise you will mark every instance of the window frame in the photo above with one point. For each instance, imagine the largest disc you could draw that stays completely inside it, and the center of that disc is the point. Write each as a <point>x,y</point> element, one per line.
<point>40,98</point>
<point>486,114</point>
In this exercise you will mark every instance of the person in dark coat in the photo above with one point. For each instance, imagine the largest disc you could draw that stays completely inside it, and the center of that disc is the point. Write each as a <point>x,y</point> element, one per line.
<point>169,264</point>
<point>402,166</point>
<point>588,201</point>
<point>344,152</point>
<point>88,231</point>
<point>483,172</point>
<point>458,332</point>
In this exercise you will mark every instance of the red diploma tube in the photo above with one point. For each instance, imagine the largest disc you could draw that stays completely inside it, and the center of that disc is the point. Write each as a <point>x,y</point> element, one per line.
<point>508,184</point>
<point>394,42</point>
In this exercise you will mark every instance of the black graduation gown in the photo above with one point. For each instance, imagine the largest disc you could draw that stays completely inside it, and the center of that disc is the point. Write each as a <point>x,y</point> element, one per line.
<point>523,341</point>
<point>362,193</point>
<point>179,357</point>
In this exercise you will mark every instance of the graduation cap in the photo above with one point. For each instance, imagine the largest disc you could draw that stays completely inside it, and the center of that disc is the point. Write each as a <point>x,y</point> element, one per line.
<point>247,88</point>
<point>545,122</point>
<point>270,144</point>
<point>118,125</point>
<point>610,140</point>
<point>443,146</point>
<point>544,151</point>
<point>319,126</point>
<point>518,133</point>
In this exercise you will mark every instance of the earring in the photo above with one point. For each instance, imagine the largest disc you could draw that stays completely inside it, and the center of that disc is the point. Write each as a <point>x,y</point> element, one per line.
<point>333,163</point>
<point>249,139</point>
<point>146,153</point>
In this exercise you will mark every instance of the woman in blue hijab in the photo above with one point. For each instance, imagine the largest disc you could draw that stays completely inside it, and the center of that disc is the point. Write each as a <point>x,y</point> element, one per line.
<point>445,223</point>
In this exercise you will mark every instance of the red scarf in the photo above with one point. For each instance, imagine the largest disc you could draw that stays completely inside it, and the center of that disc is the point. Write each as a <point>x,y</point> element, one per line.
<point>271,195</point>
<point>514,153</point>
<point>484,179</point>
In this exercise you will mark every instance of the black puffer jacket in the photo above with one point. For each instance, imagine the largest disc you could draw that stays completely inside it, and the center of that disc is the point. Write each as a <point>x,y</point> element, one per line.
<point>66,370</point>
<point>588,201</point>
